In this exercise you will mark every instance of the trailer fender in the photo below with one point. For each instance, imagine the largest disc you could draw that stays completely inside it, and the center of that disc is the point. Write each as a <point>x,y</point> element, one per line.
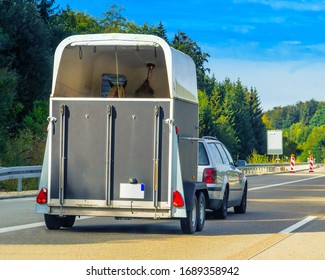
<point>43,182</point>
<point>190,190</point>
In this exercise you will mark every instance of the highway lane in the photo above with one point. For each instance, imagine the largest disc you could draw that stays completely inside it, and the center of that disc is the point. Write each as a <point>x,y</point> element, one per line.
<point>274,205</point>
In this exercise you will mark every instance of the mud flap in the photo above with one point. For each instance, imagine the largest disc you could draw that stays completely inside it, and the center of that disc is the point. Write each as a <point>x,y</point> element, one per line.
<point>43,182</point>
<point>177,181</point>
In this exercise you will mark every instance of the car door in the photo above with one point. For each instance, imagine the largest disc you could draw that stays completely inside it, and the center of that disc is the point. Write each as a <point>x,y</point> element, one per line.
<point>233,179</point>
<point>218,164</point>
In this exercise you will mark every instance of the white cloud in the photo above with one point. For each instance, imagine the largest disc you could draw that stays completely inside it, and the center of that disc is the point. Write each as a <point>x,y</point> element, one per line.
<point>277,83</point>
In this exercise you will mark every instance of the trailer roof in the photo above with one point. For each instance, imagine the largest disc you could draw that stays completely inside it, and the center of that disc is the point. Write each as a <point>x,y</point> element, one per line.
<point>180,67</point>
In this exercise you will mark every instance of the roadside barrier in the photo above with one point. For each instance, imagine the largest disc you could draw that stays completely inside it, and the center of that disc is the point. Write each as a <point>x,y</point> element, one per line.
<point>292,164</point>
<point>20,172</point>
<point>268,168</point>
<point>311,164</point>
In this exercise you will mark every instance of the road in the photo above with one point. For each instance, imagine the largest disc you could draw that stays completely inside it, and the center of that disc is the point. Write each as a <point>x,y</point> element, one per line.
<point>285,220</point>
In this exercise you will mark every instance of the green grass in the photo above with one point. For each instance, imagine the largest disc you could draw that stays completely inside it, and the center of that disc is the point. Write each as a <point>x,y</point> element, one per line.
<point>12,184</point>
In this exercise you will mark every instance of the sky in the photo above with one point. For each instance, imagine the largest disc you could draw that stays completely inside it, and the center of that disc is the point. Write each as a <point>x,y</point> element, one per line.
<point>276,47</point>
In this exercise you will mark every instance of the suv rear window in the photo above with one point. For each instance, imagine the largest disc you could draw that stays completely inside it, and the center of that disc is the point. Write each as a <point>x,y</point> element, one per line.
<point>223,154</point>
<point>203,157</point>
<point>215,153</point>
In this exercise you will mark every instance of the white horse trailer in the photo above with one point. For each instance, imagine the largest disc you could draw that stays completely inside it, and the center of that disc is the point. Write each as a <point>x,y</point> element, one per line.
<point>121,109</point>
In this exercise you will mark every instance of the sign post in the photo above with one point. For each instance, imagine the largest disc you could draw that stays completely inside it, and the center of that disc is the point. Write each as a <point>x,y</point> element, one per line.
<point>274,143</point>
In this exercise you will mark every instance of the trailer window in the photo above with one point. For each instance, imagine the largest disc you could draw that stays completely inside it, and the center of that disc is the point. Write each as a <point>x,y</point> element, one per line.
<point>86,71</point>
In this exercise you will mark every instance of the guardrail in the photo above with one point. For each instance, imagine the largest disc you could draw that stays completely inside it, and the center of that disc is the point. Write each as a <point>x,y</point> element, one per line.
<point>20,172</point>
<point>252,169</point>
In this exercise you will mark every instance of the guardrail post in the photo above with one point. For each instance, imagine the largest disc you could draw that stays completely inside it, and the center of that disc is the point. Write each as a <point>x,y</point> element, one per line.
<point>20,185</point>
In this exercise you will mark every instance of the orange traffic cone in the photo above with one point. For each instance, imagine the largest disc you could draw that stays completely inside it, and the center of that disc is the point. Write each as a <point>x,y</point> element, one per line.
<point>292,164</point>
<point>311,164</point>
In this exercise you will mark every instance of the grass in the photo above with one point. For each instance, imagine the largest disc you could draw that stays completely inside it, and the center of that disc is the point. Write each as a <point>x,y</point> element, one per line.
<point>12,184</point>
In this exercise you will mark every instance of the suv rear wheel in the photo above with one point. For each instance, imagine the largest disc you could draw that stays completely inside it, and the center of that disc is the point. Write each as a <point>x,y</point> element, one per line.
<point>222,211</point>
<point>241,208</point>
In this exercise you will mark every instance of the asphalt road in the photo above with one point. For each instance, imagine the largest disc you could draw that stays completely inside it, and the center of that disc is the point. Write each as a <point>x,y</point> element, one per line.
<point>285,220</point>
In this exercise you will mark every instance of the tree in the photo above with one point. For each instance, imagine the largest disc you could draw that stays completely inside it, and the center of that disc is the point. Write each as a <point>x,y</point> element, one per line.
<point>318,118</point>
<point>113,20</point>
<point>314,145</point>
<point>28,50</point>
<point>205,120</point>
<point>258,127</point>
<point>8,83</point>
<point>308,110</point>
<point>45,8</point>
<point>69,22</point>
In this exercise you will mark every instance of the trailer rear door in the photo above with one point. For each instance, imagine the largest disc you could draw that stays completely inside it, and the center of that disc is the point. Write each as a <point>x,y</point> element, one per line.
<point>109,153</point>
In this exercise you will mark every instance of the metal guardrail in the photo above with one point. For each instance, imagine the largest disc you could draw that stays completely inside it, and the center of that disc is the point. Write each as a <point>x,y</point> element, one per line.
<point>251,169</point>
<point>20,172</point>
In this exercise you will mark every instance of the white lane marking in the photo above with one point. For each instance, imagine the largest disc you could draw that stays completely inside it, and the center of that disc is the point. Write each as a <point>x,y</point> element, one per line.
<point>285,183</point>
<point>34,225</point>
<point>21,227</point>
<point>298,225</point>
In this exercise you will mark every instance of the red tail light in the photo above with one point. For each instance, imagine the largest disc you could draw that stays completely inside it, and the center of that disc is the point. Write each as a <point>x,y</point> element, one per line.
<point>42,196</point>
<point>178,200</point>
<point>210,175</point>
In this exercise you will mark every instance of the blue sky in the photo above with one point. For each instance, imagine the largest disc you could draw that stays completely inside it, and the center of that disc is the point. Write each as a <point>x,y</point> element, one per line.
<point>278,47</point>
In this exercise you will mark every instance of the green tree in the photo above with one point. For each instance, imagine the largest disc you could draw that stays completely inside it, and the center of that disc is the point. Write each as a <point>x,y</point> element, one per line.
<point>255,116</point>
<point>318,118</point>
<point>113,20</point>
<point>315,145</point>
<point>308,110</point>
<point>205,120</point>
<point>28,50</point>
<point>236,101</point>
<point>69,22</point>
<point>45,8</point>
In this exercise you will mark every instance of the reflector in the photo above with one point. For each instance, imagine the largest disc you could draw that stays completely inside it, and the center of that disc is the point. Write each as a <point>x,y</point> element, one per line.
<point>177,199</point>
<point>42,196</point>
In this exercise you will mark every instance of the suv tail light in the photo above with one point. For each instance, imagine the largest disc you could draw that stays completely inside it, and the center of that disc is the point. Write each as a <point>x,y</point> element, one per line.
<point>210,175</point>
<point>42,196</point>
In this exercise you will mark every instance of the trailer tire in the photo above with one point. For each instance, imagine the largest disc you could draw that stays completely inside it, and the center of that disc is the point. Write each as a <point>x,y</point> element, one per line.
<point>52,222</point>
<point>189,224</point>
<point>201,211</point>
<point>68,221</point>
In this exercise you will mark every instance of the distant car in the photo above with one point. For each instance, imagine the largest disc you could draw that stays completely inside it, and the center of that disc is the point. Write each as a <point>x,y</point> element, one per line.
<point>241,163</point>
<point>227,185</point>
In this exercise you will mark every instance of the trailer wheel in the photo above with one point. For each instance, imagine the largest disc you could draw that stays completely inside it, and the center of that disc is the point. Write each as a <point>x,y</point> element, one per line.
<point>201,211</point>
<point>68,221</point>
<point>52,222</point>
<point>189,224</point>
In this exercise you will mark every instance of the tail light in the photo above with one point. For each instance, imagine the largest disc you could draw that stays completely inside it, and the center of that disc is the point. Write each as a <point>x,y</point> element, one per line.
<point>178,200</point>
<point>210,175</point>
<point>42,196</point>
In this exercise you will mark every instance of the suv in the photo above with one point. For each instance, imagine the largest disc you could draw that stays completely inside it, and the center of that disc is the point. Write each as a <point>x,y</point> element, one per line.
<point>227,185</point>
